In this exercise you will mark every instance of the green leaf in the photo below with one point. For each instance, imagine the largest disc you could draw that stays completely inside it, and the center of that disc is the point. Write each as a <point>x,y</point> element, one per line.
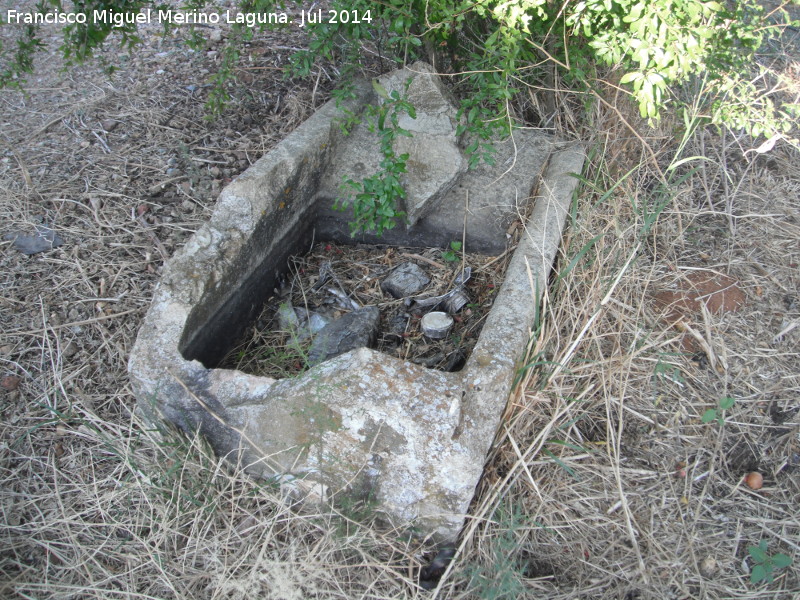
<point>758,574</point>
<point>379,89</point>
<point>757,554</point>
<point>726,403</point>
<point>781,560</point>
<point>632,76</point>
<point>709,416</point>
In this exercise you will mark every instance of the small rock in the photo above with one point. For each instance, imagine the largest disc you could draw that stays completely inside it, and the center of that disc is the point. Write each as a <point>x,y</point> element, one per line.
<point>301,322</point>
<point>109,125</point>
<point>70,350</point>
<point>215,36</point>
<point>431,361</point>
<point>405,280</point>
<point>351,331</point>
<point>44,239</point>
<point>5,350</point>
<point>708,567</point>
<point>399,323</point>
<point>313,321</point>
<point>287,318</point>
<point>10,382</point>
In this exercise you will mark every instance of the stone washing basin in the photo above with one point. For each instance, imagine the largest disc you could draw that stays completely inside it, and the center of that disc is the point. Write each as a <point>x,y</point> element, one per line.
<point>409,440</point>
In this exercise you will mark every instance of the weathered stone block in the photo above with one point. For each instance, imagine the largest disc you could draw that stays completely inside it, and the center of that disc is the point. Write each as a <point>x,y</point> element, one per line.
<point>412,439</point>
<point>435,161</point>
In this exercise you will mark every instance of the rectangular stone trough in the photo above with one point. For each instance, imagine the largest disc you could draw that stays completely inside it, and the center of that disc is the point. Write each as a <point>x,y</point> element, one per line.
<point>411,441</point>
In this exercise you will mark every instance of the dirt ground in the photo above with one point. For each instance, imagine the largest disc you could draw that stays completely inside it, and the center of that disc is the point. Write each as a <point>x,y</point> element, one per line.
<point>610,478</point>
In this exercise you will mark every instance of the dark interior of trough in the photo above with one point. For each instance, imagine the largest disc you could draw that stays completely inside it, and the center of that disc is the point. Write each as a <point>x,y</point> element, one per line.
<point>402,285</point>
<point>218,333</point>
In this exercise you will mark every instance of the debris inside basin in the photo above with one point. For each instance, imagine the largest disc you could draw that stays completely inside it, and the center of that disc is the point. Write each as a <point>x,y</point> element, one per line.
<point>403,284</point>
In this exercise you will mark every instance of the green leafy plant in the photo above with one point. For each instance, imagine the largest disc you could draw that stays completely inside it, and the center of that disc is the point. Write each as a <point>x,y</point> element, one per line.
<point>451,254</point>
<point>376,199</point>
<point>510,50</point>
<point>667,371</point>
<point>718,414</point>
<point>764,564</point>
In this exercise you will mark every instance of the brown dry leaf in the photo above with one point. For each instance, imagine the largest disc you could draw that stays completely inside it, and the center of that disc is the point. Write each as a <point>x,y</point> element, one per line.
<point>10,382</point>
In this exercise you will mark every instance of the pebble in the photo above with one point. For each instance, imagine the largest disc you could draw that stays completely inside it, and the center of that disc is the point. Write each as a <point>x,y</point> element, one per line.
<point>405,280</point>
<point>353,330</point>
<point>10,382</point>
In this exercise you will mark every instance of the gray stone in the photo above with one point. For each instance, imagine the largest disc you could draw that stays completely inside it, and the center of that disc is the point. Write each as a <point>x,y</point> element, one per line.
<point>405,280</point>
<point>353,330</point>
<point>300,322</point>
<point>497,195</point>
<point>288,320</point>
<point>363,423</point>
<point>314,321</point>
<point>399,323</point>
<point>44,239</point>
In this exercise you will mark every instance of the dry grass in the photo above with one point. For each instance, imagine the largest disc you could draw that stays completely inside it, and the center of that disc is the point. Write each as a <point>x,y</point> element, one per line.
<point>605,483</point>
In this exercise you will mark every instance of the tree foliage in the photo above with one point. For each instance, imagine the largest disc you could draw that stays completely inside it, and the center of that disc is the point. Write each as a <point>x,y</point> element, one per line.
<point>501,47</point>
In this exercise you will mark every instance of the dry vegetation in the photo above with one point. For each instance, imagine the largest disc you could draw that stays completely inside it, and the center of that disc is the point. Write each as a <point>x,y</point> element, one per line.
<point>604,483</point>
<point>270,348</point>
